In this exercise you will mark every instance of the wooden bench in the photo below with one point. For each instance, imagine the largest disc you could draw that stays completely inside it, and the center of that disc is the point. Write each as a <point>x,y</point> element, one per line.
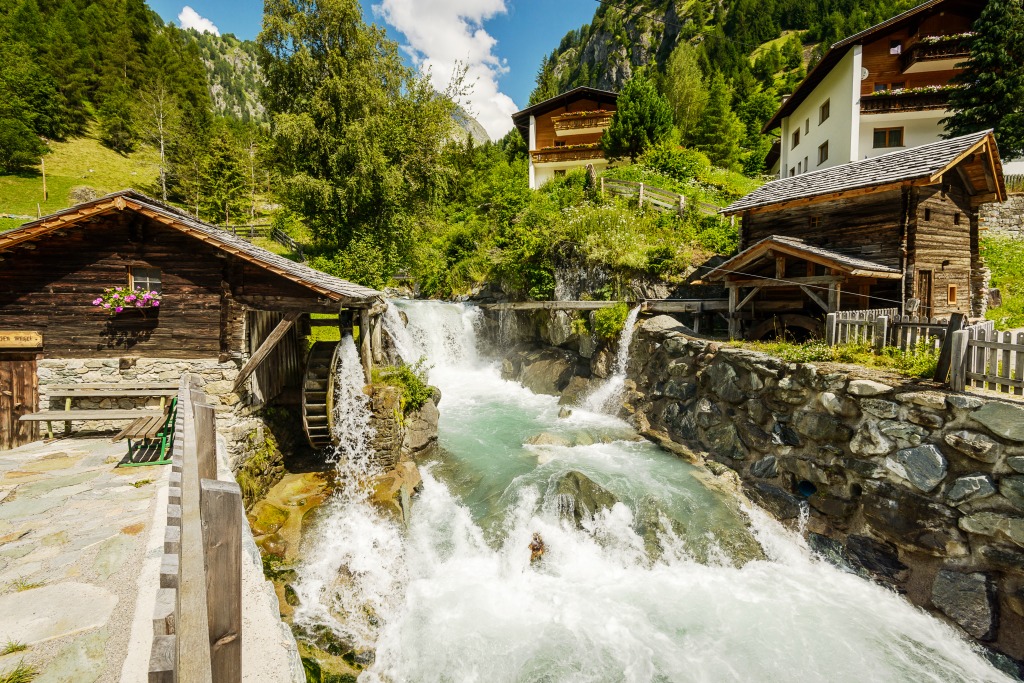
<point>149,431</point>
<point>69,392</point>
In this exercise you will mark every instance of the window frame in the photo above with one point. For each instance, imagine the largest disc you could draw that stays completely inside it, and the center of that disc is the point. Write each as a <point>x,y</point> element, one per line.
<point>824,111</point>
<point>951,294</point>
<point>795,139</point>
<point>822,153</point>
<point>888,135</point>
<point>134,276</point>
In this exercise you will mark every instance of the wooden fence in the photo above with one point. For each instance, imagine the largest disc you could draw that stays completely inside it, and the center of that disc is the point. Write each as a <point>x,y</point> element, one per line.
<point>249,232</point>
<point>287,241</point>
<point>655,197</point>
<point>197,623</point>
<point>882,327</point>
<point>909,333</point>
<point>986,359</point>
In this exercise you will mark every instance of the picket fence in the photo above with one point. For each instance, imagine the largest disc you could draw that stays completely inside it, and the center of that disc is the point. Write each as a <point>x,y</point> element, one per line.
<point>986,359</point>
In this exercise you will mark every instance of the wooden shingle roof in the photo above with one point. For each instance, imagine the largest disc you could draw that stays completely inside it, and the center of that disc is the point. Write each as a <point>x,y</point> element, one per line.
<point>922,165</point>
<point>333,288</point>
<point>792,246</point>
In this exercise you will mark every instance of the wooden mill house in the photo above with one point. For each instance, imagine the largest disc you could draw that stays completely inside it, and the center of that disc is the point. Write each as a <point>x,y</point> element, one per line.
<point>229,311</point>
<point>563,132</point>
<point>868,234</point>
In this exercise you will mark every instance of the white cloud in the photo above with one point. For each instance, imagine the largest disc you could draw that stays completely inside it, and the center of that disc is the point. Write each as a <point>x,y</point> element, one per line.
<point>443,33</point>
<point>189,18</point>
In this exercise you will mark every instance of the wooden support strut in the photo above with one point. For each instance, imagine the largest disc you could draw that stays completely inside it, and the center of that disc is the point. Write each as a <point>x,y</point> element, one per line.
<point>265,348</point>
<point>365,354</point>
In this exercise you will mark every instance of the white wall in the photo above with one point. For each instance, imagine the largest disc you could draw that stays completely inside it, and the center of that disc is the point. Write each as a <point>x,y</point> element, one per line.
<point>841,88</point>
<point>919,128</point>
<point>530,147</point>
<point>542,173</point>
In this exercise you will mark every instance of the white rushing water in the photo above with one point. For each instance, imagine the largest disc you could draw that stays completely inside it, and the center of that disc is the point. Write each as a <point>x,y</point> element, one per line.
<point>608,395</point>
<point>455,597</point>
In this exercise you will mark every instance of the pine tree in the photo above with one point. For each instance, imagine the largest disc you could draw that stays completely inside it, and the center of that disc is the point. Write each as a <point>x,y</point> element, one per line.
<point>991,86</point>
<point>720,130</point>
<point>642,119</point>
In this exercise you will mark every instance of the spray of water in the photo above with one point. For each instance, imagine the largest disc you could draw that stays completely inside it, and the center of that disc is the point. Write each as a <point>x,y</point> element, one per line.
<point>607,397</point>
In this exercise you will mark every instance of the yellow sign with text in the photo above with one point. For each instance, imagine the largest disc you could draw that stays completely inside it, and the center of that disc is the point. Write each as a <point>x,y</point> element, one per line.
<point>21,340</point>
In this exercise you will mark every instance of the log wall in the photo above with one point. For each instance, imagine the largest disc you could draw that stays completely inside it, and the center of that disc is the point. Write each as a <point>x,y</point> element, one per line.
<point>937,243</point>
<point>546,127</point>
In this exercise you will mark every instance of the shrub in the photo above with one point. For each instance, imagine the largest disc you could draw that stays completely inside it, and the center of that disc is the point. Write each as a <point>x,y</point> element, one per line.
<point>1005,256</point>
<point>411,380</point>
<point>678,163</point>
<point>608,322</point>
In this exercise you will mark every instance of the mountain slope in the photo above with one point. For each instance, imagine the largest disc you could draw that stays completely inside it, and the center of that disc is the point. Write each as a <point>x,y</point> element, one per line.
<point>233,75</point>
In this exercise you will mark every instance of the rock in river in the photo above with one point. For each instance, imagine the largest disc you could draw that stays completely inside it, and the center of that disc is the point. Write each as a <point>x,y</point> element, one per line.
<point>579,498</point>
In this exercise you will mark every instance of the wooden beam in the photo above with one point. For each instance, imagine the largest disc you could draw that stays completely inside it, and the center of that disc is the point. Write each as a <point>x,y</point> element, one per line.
<point>265,348</point>
<point>767,281</point>
<point>834,297</point>
<point>815,298</point>
<point>846,194</point>
<point>284,304</point>
<point>748,297</point>
<point>780,267</point>
<point>365,354</point>
<point>734,323</point>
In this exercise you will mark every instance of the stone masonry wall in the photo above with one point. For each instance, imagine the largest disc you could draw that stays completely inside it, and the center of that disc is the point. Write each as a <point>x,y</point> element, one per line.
<point>1006,219</point>
<point>916,487</point>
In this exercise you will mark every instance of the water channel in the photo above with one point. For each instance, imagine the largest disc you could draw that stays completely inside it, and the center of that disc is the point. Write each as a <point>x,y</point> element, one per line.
<point>675,582</point>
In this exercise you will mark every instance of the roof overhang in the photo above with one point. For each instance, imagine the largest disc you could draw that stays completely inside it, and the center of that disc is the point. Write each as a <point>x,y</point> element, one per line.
<point>774,246</point>
<point>521,119</point>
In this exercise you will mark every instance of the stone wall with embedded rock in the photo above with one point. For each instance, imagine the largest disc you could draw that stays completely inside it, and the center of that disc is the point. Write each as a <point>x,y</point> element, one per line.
<point>1006,219</point>
<point>399,436</point>
<point>916,487</point>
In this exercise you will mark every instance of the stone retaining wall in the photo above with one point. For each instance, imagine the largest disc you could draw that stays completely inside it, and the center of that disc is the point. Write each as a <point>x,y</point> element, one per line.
<point>1006,219</point>
<point>913,486</point>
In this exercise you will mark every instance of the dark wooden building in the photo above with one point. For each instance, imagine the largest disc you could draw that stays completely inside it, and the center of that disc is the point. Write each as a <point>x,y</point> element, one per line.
<point>223,302</point>
<point>868,234</point>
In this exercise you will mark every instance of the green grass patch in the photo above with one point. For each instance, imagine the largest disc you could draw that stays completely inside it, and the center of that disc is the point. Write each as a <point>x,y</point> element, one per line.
<point>608,322</point>
<point>1005,257</point>
<point>79,162</point>
<point>11,647</point>
<point>411,380</point>
<point>918,362</point>
<point>23,673</point>
<point>20,585</point>
<point>141,482</point>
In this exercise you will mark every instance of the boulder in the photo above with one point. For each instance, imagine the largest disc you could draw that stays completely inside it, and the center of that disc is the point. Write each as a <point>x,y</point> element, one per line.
<point>421,429</point>
<point>887,410</point>
<point>1012,489</point>
<point>547,371</point>
<point>867,387</point>
<point>924,466</point>
<point>662,324</point>
<point>773,499</point>
<point>996,525</point>
<point>1001,419</point>
<point>912,520</point>
<point>393,490</point>
<point>722,379</point>
<point>752,436</point>
<point>974,445</point>
<point>724,440</point>
<point>579,498</point>
<point>933,400</point>
<point>870,441</point>
<point>680,390</point>
<point>970,487</point>
<point>822,427</point>
<point>765,468</point>
<point>601,363</point>
<point>548,439</point>
<point>967,599</point>
<point>877,559</point>
<point>588,345</point>
<point>560,328</point>
<point>575,391</point>
<point>963,401</point>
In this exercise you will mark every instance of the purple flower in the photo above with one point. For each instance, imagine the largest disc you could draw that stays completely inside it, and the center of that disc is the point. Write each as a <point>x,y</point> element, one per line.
<point>106,305</point>
<point>118,309</point>
<point>138,304</point>
<point>153,294</point>
<point>131,298</point>
<point>156,303</point>
<point>97,302</point>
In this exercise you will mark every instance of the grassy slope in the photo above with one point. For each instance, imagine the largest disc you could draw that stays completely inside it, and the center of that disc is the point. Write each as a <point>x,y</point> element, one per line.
<point>75,163</point>
<point>1005,257</point>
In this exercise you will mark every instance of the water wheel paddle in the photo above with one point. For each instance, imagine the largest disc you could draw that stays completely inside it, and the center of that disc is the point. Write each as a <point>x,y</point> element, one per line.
<point>317,390</point>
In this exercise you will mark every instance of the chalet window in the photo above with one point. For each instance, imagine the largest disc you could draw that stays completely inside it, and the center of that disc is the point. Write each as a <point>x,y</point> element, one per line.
<point>796,137</point>
<point>951,295</point>
<point>807,126</point>
<point>807,166</point>
<point>823,112</point>
<point>879,87</point>
<point>822,153</point>
<point>792,172</point>
<point>927,214</point>
<point>956,218</point>
<point>799,167</point>
<point>895,47</point>
<point>814,222</point>
<point>146,279</point>
<point>897,86</point>
<point>888,137</point>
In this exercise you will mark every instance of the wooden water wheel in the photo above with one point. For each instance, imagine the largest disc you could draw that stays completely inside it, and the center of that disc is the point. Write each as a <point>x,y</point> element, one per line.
<point>317,392</point>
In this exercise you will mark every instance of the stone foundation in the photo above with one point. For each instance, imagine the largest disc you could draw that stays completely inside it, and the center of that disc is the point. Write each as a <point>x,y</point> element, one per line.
<point>1006,219</point>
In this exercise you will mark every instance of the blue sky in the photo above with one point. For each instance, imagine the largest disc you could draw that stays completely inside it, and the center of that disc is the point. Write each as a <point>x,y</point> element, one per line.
<point>501,41</point>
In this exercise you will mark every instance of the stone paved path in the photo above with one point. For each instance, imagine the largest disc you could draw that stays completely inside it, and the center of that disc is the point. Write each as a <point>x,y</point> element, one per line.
<point>74,547</point>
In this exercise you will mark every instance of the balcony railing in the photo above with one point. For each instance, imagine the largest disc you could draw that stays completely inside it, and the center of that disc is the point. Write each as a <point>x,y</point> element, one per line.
<point>574,125</point>
<point>904,101</point>
<point>930,53</point>
<point>555,154</point>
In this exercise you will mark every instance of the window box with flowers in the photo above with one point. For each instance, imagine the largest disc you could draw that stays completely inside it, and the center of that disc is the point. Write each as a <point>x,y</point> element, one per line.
<point>121,300</point>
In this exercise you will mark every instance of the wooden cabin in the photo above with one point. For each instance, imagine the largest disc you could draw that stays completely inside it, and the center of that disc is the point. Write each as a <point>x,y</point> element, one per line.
<point>563,132</point>
<point>227,308</point>
<point>869,234</point>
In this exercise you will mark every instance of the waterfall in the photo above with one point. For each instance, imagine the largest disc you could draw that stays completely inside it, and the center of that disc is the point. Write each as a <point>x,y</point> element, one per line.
<point>606,398</point>
<point>445,333</point>
<point>395,327</point>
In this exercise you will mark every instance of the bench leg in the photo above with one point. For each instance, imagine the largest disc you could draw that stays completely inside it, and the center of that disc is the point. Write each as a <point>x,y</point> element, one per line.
<point>49,429</point>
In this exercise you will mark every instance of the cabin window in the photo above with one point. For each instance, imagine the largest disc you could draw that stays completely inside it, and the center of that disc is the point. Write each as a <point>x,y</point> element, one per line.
<point>815,222</point>
<point>559,143</point>
<point>822,153</point>
<point>888,137</point>
<point>956,218</point>
<point>880,87</point>
<point>823,112</point>
<point>796,137</point>
<point>927,214</point>
<point>951,295</point>
<point>807,166</point>
<point>146,279</point>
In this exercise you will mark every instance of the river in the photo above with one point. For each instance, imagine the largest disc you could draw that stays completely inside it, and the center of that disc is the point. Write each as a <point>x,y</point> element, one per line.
<point>672,583</point>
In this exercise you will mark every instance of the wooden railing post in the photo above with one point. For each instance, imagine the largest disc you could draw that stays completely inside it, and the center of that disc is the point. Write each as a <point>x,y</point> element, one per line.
<point>206,438</point>
<point>640,196</point>
<point>830,329</point>
<point>221,504</point>
<point>602,186</point>
<point>881,332</point>
<point>958,356</point>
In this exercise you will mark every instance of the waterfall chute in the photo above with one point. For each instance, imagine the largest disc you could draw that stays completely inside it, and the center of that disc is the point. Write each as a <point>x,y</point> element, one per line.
<point>607,396</point>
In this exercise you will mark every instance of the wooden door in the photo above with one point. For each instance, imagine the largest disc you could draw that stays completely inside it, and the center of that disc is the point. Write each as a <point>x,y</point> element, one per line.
<point>19,395</point>
<point>924,292</point>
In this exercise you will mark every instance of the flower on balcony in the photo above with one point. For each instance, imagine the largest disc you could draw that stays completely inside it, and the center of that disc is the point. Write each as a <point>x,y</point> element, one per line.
<point>584,114</point>
<point>920,90</point>
<point>953,37</point>
<point>117,299</point>
<point>569,148</point>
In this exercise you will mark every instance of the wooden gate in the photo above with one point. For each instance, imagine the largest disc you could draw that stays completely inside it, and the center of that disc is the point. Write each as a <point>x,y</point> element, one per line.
<point>924,292</point>
<point>19,395</point>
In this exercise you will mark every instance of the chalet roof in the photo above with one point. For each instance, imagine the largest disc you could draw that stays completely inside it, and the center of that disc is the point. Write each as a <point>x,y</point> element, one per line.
<point>325,285</point>
<point>917,165</point>
<point>839,50</point>
<point>793,246</point>
<point>521,119</point>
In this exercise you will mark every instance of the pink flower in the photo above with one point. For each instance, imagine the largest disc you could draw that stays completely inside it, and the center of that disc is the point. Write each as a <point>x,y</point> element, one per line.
<point>118,309</point>
<point>138,304</point>
<point>97,302</point>
<point>106,305</point>
<point>131,298</point>
<point>156,303</point>
<point>153,294</point>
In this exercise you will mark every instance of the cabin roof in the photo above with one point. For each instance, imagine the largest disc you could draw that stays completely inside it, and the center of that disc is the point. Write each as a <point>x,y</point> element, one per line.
<point>325,285</point>
<point>521,119</point>
<point>792,246</point>
<point>924,165</point>
<point>839,50</point>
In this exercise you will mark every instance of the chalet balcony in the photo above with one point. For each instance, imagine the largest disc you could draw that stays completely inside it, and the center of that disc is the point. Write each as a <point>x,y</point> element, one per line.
<point>582,123</point>
<point>903,101</point>
<point>935,53</point>
<point>551,155</point>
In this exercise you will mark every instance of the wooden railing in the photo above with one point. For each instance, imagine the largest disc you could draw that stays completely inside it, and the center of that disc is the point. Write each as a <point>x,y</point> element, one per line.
<point>903,101</point>
<point>544,156</point>
<point>287,241</point>
<point>249,232</point>
<point>869,326</point>
<point>577,123</point>
<point>931,52</point>
<point>197,622</point>
<point>986,359</point>
<point>655,197</point>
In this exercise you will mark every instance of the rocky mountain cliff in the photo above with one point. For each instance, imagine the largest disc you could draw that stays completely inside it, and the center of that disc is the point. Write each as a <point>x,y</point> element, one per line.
<point>233,75</point>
